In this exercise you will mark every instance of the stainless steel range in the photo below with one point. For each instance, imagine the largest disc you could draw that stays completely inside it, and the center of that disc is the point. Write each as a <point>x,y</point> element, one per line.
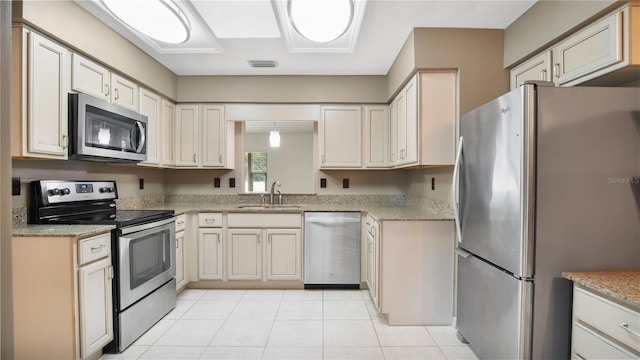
<point>143,248</point>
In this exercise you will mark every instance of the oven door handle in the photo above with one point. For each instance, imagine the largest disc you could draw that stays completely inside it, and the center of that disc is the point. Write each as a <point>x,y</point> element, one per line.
<point>131,229</point>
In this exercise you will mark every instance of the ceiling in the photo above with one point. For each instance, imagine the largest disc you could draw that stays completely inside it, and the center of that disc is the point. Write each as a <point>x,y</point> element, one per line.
<point>225,34</point>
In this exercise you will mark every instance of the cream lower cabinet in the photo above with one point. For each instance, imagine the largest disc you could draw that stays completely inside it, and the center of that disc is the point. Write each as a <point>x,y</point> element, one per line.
<point>264,247</point>
<point>181,274</point>
<point>62,297</point>
<point>41,71</point>
<point>603,329</point>
<point>210,246</point>
<point>340,137</point>
<point>373,257</point>
<point>409,297</point>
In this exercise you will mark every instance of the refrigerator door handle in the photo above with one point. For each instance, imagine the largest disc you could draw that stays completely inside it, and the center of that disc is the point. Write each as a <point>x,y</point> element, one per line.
<point>454,198</point>
<point>463,253</point>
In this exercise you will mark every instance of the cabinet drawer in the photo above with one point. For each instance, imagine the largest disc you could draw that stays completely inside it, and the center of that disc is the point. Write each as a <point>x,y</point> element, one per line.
<point>607,317</point>
<point>181,222</point>
<point>264,220</point>
<point>209,220</point>
<point>94,248</point>
<point>589,345</point>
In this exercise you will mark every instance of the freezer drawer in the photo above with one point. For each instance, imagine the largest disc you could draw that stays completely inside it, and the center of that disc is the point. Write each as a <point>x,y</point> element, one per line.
<point>494,310</point>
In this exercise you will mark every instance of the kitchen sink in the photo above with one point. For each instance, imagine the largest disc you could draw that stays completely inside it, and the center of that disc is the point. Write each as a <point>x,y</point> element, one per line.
<point>257,207</point>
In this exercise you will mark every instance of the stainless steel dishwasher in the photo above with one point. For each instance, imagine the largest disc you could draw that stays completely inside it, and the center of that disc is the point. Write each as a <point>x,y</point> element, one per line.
<point>332,250</point>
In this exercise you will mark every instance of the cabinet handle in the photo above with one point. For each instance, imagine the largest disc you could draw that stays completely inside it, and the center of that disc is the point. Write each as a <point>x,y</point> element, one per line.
<point>543,75</point>
<point>65,141</point>
<point>117,93</point>
<point>106,89</point>
<point>324,159</point>
<point>177,242</point>
<point>258,239</point>
<point>269,238</point>
<point>110,275</point>
<point>626,327</point>
<point>220,158</point>
<point>98,248</point>
<point>218,237</point>
<point>556,70</point>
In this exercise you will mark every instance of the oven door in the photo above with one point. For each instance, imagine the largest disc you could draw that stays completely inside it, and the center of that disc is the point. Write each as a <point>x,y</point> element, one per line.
<point>146,259</point>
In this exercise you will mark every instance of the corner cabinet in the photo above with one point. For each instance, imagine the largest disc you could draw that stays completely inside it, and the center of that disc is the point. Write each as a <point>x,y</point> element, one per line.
<point>62,297</point>
<point>41,70</point>
<point>340,137</point>
<point>203,137</point>
<point>423,121</point>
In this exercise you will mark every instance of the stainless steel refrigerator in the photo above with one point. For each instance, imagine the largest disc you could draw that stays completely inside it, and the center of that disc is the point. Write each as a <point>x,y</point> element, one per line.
<point>543,183</point>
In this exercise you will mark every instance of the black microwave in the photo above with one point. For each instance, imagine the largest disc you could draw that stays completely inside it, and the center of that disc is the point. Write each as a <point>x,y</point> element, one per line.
<point>101,131</point>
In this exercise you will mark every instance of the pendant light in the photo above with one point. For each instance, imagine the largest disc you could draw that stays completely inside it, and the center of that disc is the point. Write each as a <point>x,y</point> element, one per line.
<point>274,137</point>
<point>321,20</point>
<point>161,20</point>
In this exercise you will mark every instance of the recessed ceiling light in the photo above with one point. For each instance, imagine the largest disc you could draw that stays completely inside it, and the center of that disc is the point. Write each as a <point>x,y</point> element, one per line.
<point>161,20</point>
<point>321,20</point>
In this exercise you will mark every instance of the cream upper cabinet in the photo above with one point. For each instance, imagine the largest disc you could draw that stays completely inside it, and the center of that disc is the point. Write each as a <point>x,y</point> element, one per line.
<point>406,124</point>
<point>203,138</point>
<point>214,141</point>
<point>91,78</point>
<point>536,68</point>
<point>41,69</point>
<point>151,107</point>
<point>340,137</point>
<point>168,133</point>
<point>423,120</point>
<point>376,136</point>
<point>124,93</point>
<point>187,135</point>
<point>588,50</point>
<point>603,53</point>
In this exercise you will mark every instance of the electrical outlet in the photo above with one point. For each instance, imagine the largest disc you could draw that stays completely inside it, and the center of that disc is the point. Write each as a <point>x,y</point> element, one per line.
<point>15,186</point>
<point>216,182</point>
<point>141,184</point>
<point>433,183</point>
<point>323,183</point>
<point>232,182</point>
<point>345,183</point>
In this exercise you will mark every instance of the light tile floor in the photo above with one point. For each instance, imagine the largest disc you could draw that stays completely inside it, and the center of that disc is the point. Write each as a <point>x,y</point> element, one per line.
<point>288,324</point>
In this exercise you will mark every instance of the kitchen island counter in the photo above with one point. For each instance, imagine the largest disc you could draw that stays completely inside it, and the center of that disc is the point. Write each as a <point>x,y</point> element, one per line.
<point>623,286</point>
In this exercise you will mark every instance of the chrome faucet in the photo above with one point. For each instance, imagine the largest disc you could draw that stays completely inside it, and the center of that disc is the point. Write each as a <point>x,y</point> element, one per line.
<point>272,194</point>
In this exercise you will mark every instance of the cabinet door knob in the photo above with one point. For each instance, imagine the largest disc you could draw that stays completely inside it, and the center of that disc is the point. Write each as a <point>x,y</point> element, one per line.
<point>106,89</point>
<point>626,327</point>
<point>556,70</point>
<point>117,93</point>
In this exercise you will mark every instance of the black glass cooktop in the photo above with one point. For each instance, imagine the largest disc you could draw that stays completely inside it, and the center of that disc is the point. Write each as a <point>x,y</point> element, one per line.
<point>119,218</point>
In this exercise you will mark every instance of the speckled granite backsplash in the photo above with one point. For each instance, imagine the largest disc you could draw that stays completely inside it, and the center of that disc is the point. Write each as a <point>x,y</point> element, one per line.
<point>389,200</point>
<point>20,214</point>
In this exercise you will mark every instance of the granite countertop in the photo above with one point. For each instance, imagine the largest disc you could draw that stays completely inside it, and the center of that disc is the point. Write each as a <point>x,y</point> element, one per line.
<point>621,285</point>
<point>435,211</point>
<point>61,230</point>
<point>379,212</point>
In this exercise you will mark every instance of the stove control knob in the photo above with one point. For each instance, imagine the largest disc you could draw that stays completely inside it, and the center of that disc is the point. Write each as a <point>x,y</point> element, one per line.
<point>53,192</point>
<point>106,190</point>
<point>66,191</point>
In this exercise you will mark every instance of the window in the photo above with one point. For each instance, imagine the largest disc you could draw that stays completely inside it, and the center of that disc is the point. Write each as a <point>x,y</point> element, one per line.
<point>255,168</point>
